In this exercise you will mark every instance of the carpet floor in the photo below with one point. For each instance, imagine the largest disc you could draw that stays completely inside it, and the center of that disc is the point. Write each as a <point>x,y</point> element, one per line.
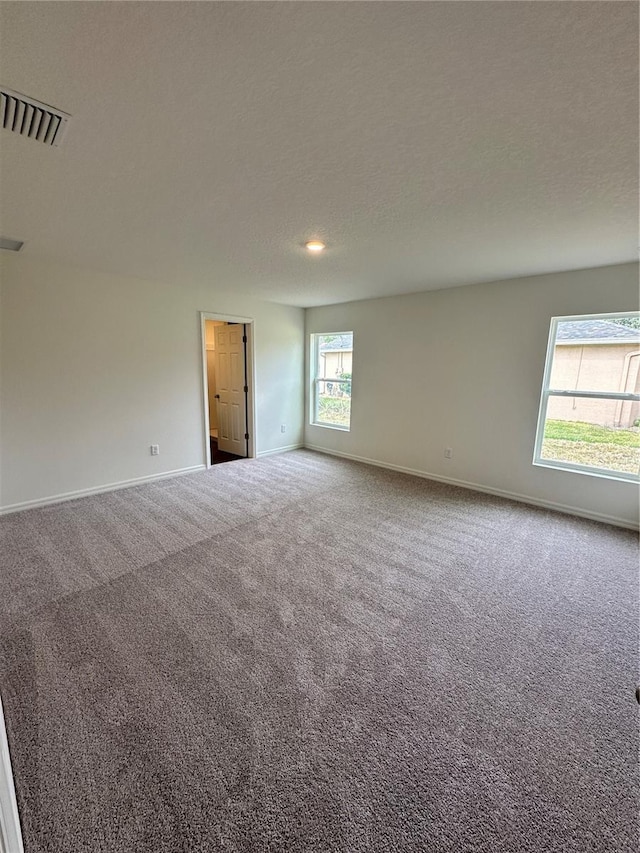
<point>302,653</point>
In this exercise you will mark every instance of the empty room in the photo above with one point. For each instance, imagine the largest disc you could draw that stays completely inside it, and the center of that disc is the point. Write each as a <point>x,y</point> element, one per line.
<point>319,427</point>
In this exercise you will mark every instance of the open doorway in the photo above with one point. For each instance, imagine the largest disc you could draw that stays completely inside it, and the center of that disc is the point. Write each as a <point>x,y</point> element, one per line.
<point>228,388</point>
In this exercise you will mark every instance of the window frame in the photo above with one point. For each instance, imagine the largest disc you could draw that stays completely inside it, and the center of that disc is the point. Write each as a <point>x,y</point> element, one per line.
<point>547,392</point>
<point>315,380</point>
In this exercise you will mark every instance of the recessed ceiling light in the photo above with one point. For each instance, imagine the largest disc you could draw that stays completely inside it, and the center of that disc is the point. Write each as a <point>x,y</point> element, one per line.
<point>315,246</point>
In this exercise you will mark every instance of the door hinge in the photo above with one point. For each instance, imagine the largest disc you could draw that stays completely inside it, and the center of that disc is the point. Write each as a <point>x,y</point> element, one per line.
<point>244,339</point>
<point>246,389</point>
<point>246,435</point>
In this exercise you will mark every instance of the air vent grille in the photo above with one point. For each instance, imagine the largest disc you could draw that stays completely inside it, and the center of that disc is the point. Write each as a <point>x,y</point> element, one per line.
<point>32,119</point>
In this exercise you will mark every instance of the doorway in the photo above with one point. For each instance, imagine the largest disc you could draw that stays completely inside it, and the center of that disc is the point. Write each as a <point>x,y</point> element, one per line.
<point>228,375</point>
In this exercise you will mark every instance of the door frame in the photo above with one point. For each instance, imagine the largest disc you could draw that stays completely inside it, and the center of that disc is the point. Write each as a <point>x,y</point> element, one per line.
<point>248,322</point>
<point>10,832</point>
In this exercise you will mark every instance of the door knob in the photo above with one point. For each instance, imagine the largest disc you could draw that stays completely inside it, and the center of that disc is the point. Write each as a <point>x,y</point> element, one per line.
<point>217,396</point>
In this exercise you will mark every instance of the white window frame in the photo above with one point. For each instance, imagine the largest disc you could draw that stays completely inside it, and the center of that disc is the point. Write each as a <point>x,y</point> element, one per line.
<point>315,381</point>
<point>547,392</point>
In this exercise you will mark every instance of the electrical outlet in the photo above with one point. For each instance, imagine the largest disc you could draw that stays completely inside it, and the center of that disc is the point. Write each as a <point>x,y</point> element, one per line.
<point>155,450</point>
<point>283,427</point>
<point>448,453</point>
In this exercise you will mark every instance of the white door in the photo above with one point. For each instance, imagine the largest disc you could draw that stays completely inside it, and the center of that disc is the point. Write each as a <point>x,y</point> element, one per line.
<point>232,412</point>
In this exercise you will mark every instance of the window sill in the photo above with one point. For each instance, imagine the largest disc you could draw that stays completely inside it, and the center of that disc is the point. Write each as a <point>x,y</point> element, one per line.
<point>330,426</point>
<point>593,472</point>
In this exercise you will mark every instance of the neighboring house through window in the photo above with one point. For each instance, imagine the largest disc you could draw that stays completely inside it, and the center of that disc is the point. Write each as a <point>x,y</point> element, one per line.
<point>331,359</point>
<point>590,408</point>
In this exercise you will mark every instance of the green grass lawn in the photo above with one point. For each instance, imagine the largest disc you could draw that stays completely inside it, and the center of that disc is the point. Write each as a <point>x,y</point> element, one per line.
<point>590,433</point>
<point>334,410</point>
<point>596,446</point>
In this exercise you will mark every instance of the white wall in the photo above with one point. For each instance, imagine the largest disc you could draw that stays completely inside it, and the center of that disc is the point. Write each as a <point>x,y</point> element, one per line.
<point>463,368</point>
<point>95,368</point>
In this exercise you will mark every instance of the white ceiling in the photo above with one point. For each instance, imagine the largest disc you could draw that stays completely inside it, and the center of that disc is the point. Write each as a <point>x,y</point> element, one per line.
<point>432,144</point>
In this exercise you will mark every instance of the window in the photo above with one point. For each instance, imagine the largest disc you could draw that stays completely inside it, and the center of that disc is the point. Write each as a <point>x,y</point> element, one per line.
<point>331,357</point>
<point>590,408</point>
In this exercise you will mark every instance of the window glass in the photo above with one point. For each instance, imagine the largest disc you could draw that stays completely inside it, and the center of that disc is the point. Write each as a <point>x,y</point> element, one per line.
<point>332,355</point>
<point>590,409</point>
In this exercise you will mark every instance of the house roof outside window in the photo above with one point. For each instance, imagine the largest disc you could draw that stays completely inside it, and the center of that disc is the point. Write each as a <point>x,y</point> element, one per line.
<point>595,332</point>
<point>340,343</point>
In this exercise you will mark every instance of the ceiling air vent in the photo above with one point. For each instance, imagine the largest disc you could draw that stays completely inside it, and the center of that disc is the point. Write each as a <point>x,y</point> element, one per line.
<point>32,119</point>
<point>11,245</point>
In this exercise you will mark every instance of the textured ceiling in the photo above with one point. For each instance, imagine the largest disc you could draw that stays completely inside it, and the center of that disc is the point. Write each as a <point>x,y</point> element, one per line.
<point>431,144</point>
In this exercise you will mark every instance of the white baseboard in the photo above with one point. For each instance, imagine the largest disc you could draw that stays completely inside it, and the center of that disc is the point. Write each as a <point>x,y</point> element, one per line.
<point>10,833</point>
<point>97,490</point>
<point>262,453</point>
<point>477,487</point>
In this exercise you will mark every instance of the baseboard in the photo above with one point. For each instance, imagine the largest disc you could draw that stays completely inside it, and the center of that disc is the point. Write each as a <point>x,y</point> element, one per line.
<point>98,490</point>
<point>477,487</point>
<point>10,833</point>
<point>262,453</point>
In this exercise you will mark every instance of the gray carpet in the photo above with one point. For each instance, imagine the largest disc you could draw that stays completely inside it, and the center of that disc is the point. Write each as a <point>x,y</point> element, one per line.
<point>306,654</point>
